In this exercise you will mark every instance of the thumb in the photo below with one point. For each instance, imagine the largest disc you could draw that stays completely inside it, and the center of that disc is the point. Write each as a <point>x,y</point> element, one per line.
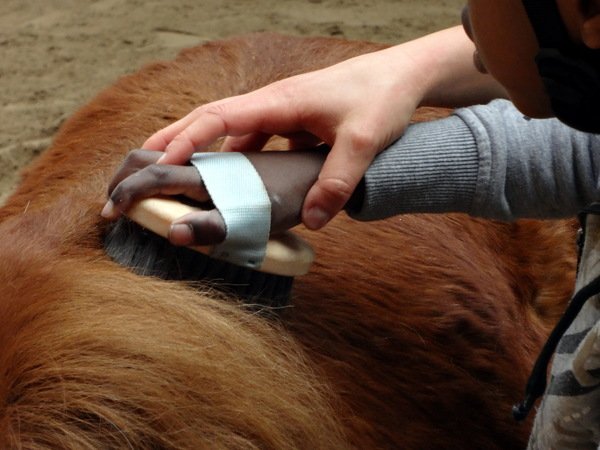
<point>343,169</point>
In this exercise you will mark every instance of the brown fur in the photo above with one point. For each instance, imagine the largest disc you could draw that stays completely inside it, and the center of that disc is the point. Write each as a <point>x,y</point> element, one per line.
<point>415,332</point>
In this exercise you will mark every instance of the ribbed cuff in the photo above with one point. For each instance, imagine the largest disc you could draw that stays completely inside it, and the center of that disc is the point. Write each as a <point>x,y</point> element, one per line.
<point>433,168</point>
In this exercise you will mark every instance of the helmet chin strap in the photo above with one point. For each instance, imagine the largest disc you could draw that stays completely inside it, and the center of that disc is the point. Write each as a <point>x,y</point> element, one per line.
<point>570,72</point>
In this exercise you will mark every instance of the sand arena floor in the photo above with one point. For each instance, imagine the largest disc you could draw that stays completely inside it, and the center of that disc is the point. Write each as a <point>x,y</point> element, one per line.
<point>56,54</point>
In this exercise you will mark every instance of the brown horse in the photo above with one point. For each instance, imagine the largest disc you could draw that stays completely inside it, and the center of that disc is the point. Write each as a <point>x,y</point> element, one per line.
<point>417,332</point>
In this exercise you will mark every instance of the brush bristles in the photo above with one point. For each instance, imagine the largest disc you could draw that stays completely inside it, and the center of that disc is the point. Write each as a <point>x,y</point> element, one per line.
<point>151,255</point>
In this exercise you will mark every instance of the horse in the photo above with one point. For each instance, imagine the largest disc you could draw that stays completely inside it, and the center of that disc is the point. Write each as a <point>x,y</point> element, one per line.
<point>415,332</point>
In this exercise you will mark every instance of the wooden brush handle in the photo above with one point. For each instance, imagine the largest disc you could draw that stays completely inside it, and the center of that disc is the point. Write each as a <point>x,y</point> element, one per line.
<point>286,253</point>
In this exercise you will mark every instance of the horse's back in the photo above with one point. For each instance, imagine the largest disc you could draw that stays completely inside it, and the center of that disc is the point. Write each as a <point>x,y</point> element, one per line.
<point>413,332</point>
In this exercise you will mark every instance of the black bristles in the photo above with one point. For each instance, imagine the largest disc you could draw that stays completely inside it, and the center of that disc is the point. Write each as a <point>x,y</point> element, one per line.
<point>149,254</point>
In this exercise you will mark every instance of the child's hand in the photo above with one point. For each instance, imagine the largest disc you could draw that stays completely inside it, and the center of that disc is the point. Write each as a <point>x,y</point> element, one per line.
<point>287,176</point>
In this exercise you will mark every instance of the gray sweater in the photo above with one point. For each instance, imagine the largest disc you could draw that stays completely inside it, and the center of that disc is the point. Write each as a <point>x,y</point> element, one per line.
<point>487,161</point>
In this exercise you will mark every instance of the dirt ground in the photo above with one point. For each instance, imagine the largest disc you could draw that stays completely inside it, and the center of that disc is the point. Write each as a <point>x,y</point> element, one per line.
<point>56,54</point>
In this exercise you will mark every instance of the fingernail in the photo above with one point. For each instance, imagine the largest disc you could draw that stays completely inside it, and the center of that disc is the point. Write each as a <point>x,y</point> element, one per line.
<point>109,212</point>
<point>316,218</point>
<point>181,234</point>
<point>161,159</point>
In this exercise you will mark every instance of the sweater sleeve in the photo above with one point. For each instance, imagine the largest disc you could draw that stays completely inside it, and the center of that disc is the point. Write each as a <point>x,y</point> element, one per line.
<point>487,161</point>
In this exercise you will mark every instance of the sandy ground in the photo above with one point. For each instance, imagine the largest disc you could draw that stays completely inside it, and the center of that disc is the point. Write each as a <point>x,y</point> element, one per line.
<point>56,54</point>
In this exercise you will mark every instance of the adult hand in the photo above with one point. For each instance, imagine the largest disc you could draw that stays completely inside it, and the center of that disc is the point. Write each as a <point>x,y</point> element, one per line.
<point>287,176</point>
<point>356,107</point>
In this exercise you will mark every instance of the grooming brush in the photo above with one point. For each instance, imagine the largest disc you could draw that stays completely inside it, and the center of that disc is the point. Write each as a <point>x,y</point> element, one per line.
<point>132,245</point>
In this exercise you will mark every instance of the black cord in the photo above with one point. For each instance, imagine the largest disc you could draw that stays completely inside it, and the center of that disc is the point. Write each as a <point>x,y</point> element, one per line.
<point>536,385</point>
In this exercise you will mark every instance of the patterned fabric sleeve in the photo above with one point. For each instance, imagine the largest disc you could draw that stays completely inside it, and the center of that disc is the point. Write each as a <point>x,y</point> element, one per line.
<point>569,414</point>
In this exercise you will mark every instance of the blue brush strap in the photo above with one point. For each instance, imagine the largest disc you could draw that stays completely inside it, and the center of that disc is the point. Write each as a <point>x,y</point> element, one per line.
<point>238,193</point>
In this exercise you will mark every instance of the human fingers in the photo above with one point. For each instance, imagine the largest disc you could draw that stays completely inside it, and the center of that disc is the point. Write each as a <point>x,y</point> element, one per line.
<point>270,110</point>
<point>256,141</point>
<point>247,143</point>
<point>161,139</point>
<point>197,135</point>
<point>151,181</point>
<point>303,141</point>
<point>198,228</point>
<point>344,167</point>
<point>133,162</point>
<point>211,123</point>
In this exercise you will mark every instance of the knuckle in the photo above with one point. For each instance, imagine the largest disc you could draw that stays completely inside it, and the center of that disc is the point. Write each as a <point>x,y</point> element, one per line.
<point>216,109</point>
<point>207,228</point>
<point>133,158</point>
<point>158,172</point>
<point>183,138</point>
<point>361,140</point>
<point>335,191</point>
<point>286,88</point>
<point>235,146</point>
<point>121,194</point>
<point>289,93</point>
<point>200,109</point>
<point>218,112</point>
